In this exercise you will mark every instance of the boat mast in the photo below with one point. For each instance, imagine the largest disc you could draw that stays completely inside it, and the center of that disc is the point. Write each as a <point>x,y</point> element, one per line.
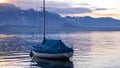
<point>44,16</point>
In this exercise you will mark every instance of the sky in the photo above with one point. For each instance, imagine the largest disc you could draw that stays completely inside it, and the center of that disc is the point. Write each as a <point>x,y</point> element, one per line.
<point>94,8</point>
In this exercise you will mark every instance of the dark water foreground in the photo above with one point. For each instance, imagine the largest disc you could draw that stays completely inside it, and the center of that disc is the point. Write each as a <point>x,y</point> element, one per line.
<point>92,50</point>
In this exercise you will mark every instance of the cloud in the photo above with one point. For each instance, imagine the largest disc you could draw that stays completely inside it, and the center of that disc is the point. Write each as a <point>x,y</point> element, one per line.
<point>97,9</point>
<point>55,4</point>
<point>39,3</point>
<point>79,10</point>
<point>85,4</point>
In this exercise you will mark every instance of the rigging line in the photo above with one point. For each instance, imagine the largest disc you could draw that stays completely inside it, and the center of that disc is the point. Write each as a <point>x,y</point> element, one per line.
<point>37,12</point>
<point>17,14</point>
<point>51,25</point>
<point>44,16</point>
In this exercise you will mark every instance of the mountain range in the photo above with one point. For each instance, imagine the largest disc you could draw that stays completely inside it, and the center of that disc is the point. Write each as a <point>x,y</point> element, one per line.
<point>16,20</point>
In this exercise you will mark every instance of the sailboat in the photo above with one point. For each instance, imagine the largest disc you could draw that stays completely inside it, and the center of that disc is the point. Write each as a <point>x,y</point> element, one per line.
<point>50,48</point>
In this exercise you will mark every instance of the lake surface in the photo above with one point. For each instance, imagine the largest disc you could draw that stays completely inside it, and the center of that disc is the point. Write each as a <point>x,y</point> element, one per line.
<point>92,50</point>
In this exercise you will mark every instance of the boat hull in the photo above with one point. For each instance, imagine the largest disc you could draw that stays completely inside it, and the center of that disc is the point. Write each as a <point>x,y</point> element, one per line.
<point>53,56</point>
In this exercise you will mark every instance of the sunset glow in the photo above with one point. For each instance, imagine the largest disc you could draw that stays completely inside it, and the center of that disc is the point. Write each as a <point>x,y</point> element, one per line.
<point>3,1</point>
<point>95,15</point>
<point>94,8</point>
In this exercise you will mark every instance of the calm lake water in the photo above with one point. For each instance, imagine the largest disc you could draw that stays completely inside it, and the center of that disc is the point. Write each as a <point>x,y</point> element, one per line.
<point>92,50</point>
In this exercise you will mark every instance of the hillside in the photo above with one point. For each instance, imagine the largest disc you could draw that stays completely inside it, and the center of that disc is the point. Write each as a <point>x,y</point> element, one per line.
<point>16,20</point>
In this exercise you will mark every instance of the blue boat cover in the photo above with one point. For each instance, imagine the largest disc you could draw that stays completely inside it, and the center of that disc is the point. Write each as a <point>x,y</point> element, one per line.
<point>52,46</point>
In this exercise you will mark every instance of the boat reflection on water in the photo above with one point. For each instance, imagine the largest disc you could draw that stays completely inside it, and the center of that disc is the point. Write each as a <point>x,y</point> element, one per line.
<point>47,63</point>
